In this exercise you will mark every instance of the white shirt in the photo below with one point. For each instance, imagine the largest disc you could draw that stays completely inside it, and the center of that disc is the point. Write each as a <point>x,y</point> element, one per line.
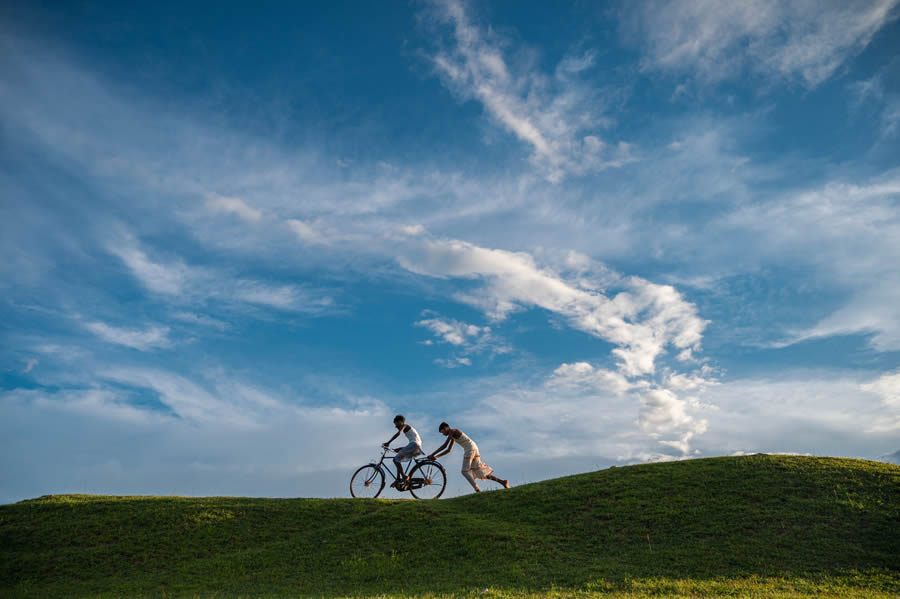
<point>412,435</point>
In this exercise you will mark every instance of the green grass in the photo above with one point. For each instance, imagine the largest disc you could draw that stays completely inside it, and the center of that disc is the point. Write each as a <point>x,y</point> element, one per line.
<point>755,526</point>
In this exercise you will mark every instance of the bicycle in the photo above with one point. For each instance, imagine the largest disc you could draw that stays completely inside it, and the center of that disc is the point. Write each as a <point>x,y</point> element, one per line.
<point>426,480</point>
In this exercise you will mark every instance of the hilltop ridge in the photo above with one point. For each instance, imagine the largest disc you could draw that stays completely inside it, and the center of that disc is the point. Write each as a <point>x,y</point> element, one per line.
<point>780,525</point>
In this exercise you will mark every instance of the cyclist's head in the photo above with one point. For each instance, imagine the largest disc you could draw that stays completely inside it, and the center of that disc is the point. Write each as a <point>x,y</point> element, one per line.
<point>399,420</point>
<point>444,427</point>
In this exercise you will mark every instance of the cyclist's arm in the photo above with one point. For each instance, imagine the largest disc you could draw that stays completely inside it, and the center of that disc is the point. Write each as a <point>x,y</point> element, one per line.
<point>388,442</point>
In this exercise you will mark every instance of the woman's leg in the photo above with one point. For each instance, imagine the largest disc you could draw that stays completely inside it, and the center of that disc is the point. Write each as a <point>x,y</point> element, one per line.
<point>467,472</point>
<point>502,481</point>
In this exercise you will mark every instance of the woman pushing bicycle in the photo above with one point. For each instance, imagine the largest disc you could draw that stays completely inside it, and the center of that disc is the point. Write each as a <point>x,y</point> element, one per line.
<point>472,466</point>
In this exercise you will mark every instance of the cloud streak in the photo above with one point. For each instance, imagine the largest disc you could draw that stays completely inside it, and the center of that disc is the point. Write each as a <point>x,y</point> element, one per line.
<point>642,319</point>
<point>182,283</point>
<point>715,41</point>
<point>142,340</point>
<point>555,116</point>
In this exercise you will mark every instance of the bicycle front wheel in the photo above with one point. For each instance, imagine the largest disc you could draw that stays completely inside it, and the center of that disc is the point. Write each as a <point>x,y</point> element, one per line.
<point>368,481</point>
<point>427,480</point>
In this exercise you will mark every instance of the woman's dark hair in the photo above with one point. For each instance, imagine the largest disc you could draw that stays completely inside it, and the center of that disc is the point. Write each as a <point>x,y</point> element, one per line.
<point>399,418</point>
<point>442,425</point>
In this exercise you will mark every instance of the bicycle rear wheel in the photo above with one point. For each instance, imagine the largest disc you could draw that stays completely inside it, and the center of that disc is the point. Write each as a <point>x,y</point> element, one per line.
<point>368,481</point>
<point>427,480</point>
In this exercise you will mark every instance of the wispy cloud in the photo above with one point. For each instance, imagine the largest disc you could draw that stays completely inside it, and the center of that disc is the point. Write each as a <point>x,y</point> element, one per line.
<point>207,429</point>
<point>642,319</point>
<point>304,231</point>
<point>143,340</point>
<point>185,284</point>
<point>849,233</point>
<point>452,331</point>
<point>284,297</point>
<point>168,278</point>
<point>103,404</point>
<point>714,41</point>
<point>873,97</point>
<point>466,339</point>
<point>236,206</point>
<point>201,319</point>
<point>29,365</point>
<point>557,116</point>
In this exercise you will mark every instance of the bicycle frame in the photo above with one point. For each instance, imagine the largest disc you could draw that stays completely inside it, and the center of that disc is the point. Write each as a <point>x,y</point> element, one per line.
<point>426,477</point>
<point>380,464</point>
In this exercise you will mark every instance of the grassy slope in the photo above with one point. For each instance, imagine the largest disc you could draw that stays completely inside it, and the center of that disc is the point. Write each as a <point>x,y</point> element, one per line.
<point>747,526</point>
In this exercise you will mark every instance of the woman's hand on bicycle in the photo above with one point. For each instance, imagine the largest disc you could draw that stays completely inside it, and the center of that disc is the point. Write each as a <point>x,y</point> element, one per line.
<point>431,457</point>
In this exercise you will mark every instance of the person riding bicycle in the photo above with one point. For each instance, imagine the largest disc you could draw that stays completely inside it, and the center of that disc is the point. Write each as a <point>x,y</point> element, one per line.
<point>411,450</point>
<point>472,466</point>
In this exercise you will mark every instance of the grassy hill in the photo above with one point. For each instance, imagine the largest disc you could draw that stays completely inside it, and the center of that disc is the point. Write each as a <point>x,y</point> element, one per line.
<point>755,526</point>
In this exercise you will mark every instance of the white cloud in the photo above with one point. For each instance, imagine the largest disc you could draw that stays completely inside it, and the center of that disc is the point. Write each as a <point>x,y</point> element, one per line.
<point>100,403</point>
<point>876,99</point>
<point>887,387</point>
<point>284,297</point>
<point>412,230</point>
<point>227,437</point>
<point>29,365</point>
<point>160,278</point>
<point>236,206</point>
<point>467,339</point>
<point>304,231</point>
<point>142,340</point>
<point>713,41</point>
<point>642,320</point>
<point>454,362</point>
<point>202,320</point>
<point>698,381</point>
<point>663,411</point>
<point>186,284</point>
<point>582,374</point>
<point>814,413</point>
<point>556,116</point>
<point>452,331</point>
<point>850,234</point>
<point>65,353</point>
<point>187,399</point>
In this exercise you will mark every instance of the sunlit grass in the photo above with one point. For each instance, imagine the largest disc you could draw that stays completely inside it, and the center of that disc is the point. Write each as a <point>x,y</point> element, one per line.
<point>755,526</point>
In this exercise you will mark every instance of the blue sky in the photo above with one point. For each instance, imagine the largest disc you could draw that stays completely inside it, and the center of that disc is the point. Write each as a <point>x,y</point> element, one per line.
<point>238,239</point>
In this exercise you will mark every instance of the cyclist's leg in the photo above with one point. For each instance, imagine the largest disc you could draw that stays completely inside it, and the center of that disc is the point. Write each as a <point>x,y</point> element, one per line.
<point>408,452</point>
<point>398,462</point>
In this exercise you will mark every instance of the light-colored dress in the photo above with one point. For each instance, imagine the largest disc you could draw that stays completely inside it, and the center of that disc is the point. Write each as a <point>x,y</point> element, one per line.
<point>472,463</point>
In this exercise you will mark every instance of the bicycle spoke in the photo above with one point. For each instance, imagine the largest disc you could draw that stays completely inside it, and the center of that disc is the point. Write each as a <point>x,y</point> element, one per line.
<point>433,478</point>
<point>367,482</point>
